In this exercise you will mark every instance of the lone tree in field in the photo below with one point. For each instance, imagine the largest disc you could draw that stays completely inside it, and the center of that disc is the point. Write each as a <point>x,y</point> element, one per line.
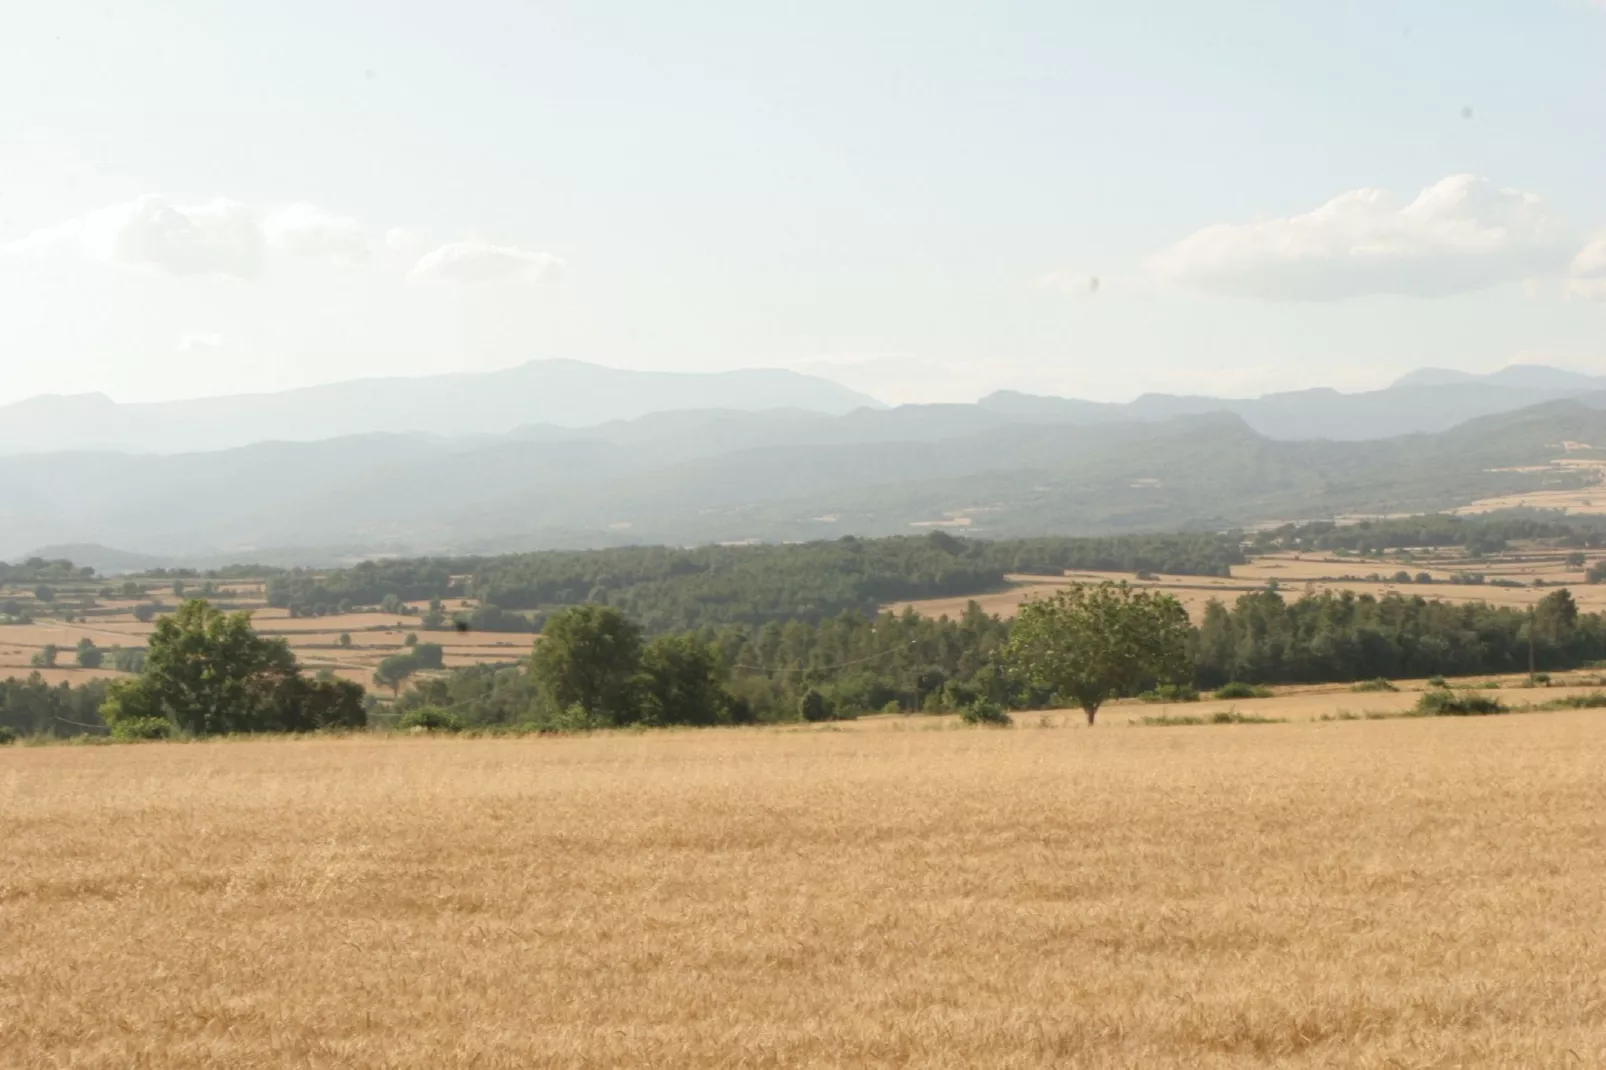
<point>1090,644</point>
<point>208,672</point>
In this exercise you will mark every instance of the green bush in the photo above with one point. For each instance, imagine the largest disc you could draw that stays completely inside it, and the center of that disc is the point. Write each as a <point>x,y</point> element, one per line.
<point>986,712</point>
<point>1457,704</point>
<point>1379,684</point>
<point>131,728</point>
<point>1437,681</point>
<point>1170,693</point>
<point>7,735</point>
<point>430,719</point>
<point>1220,717</point>
<point>815,707</point>
<point>1237,689</point>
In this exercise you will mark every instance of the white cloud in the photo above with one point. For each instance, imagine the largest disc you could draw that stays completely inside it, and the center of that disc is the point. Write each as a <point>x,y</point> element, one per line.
<point>1587,275</point>
<point>198,341</point>
<point>309,231</point>
<point>469,262</point>
<point>221,237</point>
<point>1460,234</point>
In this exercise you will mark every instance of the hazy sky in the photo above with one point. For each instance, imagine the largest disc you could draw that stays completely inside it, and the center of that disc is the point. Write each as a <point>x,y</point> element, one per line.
<point>912,198</point>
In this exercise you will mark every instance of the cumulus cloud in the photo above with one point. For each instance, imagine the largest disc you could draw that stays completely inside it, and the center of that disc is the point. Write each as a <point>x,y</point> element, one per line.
<point>306,230</point>
<point>1460,234</point>
<point>471,262</point>
<point>1586,276</point>
<point>220,237</point>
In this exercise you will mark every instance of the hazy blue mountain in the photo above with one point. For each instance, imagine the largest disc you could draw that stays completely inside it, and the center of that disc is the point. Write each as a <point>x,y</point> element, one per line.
<point>565,392</point>
<point>1520,376</point>
<point>718,476</point>
<point>1424,401</point>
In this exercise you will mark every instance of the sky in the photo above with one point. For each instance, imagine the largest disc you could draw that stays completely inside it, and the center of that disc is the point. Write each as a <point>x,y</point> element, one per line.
<point>926,201</point>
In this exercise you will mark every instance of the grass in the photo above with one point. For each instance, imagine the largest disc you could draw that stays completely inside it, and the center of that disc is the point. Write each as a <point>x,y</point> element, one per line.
<point>1410,893</point>
<point>1221,717</point>
<point>1379,684</point>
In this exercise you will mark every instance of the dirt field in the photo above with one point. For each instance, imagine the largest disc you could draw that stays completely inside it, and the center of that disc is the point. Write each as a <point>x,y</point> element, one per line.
<point>1297,575</point>
<point>1390,893</point>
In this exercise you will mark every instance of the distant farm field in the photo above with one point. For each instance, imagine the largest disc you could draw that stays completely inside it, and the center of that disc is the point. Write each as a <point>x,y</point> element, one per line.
<point>1509,580</point>
<point>902,893</point>
<point>316,640</point>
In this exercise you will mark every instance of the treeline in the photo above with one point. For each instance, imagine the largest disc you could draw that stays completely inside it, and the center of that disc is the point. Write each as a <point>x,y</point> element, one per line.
<point>1480,534</point>
<point>851,665</point>
<point>1341,637</point>
<point>679,589</point>
<point>31,707</point>
<point>845,666</point>
<point>40,570</point>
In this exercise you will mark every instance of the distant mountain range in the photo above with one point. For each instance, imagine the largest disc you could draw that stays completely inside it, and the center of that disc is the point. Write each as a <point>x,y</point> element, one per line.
<point>566,392</point>
<point>571,394</point>
<point>1008,466</point>
<point>1430,399</point>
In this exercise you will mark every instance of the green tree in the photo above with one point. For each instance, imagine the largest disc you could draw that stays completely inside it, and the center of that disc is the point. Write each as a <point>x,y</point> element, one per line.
<point>44,593</point>
<point>208,672</point>
<point>89,655</point>
<point>814,706</point>
<point>345,640</point>
<point>1090,644</point>
<point>46,658</point>
<point>393,671</point>
<point>146,612</point>
<point>589,656</point>
<point>682,683</point>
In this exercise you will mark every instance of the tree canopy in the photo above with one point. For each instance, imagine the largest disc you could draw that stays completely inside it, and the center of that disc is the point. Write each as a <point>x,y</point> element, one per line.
<point>1090,644</point>
<point>208,672</point>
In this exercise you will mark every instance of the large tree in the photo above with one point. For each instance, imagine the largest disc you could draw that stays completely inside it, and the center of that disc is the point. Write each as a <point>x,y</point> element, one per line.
<point>589,656</point>
<point>208,672</point>
<point>1090,644</point>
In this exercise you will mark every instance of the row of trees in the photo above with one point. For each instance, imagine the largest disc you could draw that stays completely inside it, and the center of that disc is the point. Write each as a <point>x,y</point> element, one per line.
<point>1084,646</point>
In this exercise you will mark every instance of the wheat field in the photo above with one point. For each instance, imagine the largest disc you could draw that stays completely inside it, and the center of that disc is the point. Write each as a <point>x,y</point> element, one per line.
<point>1413,893</point>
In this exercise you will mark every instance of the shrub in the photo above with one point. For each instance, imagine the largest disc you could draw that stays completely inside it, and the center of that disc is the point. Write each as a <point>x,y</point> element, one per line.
<point>1424,577</point>
<point>1170,693</point>
<point>986,712</point>
<point>1237,689</point>
<point>142,728</point>
<point>1220,717</point>
<point>430,719</point>
<point>814,706</point>
<point>1379,684</point>
<point>1539,679</point>
<point>145,612</point>
<point>7,735</point>
<point>1457,704</point>
<point>1437,681</point>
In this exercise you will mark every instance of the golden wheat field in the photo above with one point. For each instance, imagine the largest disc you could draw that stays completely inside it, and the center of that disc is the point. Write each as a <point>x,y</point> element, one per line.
<point>1412,893</point>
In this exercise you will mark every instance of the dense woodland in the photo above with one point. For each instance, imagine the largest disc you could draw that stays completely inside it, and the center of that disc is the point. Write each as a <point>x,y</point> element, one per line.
<point>677,589</point>
<point>1478,534</point>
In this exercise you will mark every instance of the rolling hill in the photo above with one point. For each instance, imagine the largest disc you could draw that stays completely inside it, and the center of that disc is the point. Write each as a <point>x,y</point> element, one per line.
<point>685,478</point>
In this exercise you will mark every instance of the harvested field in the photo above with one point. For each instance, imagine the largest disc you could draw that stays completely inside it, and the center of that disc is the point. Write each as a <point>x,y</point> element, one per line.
<point>1409,893</point>
<point>1297,575</point>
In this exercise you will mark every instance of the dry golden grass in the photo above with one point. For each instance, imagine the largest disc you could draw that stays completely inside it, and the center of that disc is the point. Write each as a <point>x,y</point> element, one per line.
<point>1399,893</point>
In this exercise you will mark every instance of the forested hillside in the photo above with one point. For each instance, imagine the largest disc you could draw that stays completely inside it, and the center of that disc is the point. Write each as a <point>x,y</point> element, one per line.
<point>667,588</point>
<point>690,478</point>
